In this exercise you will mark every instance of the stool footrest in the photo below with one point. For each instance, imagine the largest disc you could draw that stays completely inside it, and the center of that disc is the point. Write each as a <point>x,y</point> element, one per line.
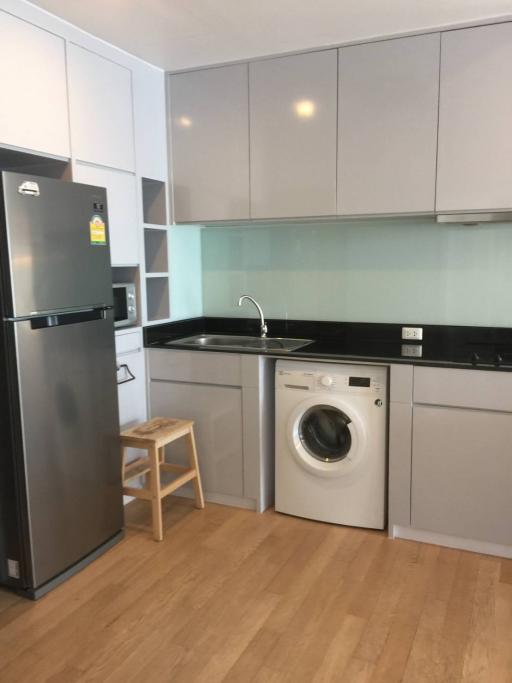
<point>137,493</point>
<point>188,476</point>
<point>169,467</point>
<point>136,468</point>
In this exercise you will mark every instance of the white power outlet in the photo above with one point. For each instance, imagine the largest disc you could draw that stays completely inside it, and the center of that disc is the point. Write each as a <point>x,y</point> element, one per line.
<point>412,333</point>
<point>412,350</point>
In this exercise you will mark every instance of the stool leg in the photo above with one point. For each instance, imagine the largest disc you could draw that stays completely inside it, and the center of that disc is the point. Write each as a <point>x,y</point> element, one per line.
<point>148,477</point>
<point>162,454</point>
<point>156,502</point>
<point>123,463</point>
<point>192,451</point>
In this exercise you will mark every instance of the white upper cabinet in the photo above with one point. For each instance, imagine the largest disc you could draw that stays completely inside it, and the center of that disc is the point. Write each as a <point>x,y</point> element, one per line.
<point>34,111</point>
<point>150,122</point>
<point>474,170</point>
<point>122,209</point>
<point>293,135</point>
<point>101,109</point>
<point>387,135</point>
<point>210,144</point>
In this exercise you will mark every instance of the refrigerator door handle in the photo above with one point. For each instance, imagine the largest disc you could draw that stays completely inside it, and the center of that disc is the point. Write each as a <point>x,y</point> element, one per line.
<point>65,311</point>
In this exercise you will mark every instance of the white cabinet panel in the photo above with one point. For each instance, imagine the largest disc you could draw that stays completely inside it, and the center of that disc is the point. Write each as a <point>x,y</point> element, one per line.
<point>34,111</point>
<point>122,209</point>
<point>210,144</point>
<point>150,122</point>
<point>293,135</point>
<point>474,169</point>
<point>462,473</point>
<point>387,135</point>
<point>217,415</point>
<point>132,394</point>
<point>101,108</point>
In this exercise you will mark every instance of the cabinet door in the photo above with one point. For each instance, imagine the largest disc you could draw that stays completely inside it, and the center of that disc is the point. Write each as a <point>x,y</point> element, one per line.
<point>293,135</point>
<point>462,473</point>
<point>474,169</point>
<point>210,144</point>
<point>100,102</point>
<point>150,122</point>
<point>132,393</point>
<point>34,111</point>
<point>122,209</point>
<point>387,126</point>
<point>217,414</point>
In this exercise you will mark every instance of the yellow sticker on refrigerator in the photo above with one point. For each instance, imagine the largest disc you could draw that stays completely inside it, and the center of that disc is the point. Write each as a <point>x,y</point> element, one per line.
<point>98,230</point>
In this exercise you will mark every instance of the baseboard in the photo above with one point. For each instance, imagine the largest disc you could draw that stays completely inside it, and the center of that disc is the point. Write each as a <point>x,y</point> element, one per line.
<point>221,499</point>
<point>481,547</point>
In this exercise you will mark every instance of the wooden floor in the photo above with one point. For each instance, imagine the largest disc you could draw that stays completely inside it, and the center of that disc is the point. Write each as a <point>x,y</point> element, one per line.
<point>234,596</point>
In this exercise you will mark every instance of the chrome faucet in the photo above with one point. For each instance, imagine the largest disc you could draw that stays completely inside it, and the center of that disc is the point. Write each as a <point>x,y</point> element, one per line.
<point>263,325</point>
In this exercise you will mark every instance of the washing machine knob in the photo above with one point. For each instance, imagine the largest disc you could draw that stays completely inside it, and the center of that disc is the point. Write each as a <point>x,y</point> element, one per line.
<point>326,381</point>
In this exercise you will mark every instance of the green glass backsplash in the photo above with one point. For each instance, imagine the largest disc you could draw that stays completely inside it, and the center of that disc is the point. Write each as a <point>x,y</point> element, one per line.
<point>400,271</point>
<point>185,271</point>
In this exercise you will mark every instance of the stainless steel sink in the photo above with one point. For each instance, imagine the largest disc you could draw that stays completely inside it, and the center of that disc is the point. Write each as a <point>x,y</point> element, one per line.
<point>273,344</point>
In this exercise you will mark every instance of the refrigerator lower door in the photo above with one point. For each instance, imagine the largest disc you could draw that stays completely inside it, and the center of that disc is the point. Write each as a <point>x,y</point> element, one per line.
<point>69,414</point>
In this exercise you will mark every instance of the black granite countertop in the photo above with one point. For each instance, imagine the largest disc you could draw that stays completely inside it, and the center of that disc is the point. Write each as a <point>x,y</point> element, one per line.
<point>481,348</point>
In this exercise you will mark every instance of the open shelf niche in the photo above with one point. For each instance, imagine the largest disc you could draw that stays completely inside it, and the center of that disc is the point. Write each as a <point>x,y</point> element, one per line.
<point>153,202</point>
<point>157,296</point>
<point>34,164</point>
<point>156,247</point>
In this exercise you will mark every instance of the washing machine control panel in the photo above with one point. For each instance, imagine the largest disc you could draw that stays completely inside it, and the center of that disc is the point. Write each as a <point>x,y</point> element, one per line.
<point>348,384</point>
<point>331,379</point>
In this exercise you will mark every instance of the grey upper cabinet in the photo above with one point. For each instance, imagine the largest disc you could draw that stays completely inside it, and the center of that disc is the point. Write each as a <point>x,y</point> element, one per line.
<point>293,135</point>
<point>210,144</point>
<point>475,119</point>
<point>387,126</point>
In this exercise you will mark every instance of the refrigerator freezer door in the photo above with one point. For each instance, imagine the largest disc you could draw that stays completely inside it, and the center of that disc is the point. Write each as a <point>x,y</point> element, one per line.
<point>68,398</point>
<point>55,253</point>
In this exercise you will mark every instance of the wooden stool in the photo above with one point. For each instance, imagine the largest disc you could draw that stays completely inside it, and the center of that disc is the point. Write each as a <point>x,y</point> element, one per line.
<point>153,436</point>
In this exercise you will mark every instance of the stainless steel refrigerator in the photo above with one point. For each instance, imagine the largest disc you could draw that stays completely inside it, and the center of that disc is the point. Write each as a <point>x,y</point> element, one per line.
<point>60,488</point>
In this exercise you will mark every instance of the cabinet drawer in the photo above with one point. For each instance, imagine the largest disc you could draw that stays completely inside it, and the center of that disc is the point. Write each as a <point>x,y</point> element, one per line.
<point>129,343</point>
<point>196,366</point>
<point>463,388</point>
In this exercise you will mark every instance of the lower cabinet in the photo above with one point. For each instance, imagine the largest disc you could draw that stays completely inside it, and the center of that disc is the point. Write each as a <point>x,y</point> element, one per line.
<point>462,473</point>
<point>461,479</point>
<point>229,398</point>
<point>217,412</point>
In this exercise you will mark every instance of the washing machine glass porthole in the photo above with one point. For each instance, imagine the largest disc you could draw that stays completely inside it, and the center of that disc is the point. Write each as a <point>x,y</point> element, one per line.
<point>325,434</point>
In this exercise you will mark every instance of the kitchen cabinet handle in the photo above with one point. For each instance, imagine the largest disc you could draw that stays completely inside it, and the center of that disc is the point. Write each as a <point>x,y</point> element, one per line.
<point>129,376</point>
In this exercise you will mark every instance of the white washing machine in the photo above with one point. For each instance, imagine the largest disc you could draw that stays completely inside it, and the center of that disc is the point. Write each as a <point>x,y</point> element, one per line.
<point>331,442</point>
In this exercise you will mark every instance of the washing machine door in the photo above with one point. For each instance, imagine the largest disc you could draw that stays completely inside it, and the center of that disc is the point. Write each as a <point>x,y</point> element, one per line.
<point>327,438</point>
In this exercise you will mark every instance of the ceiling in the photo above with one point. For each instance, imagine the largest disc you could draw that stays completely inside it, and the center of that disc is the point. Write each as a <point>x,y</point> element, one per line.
<point>179,34</point>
